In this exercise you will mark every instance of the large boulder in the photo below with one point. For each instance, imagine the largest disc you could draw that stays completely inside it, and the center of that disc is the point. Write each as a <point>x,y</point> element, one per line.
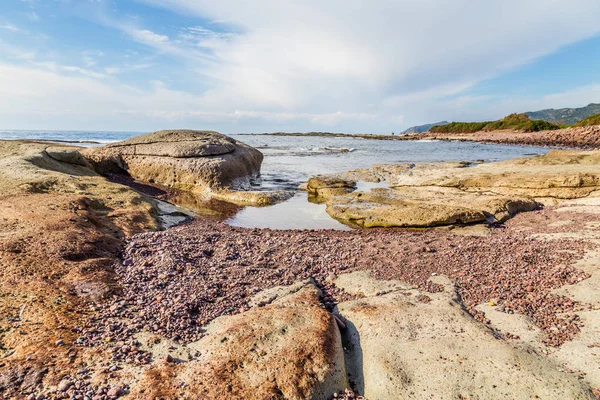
<point>184,159</point>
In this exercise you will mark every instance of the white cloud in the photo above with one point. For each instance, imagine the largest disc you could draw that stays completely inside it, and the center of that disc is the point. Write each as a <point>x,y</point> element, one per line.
<point>90,57</point>
<point>34,92</point>
<point>126,68</point>
<point>113,70</point>
<point>350,64</point>
<point>343,54</point>
<point>9,27</point>
<point>148,37</point>
<point>53,66</point>
<point>13,52</point>
<point>205,38</point>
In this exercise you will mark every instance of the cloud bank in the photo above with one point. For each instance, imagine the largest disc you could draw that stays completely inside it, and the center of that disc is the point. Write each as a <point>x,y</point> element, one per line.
<point>300,65</point>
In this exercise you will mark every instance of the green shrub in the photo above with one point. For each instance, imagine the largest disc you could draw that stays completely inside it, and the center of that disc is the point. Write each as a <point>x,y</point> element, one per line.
<point>459,127</point>
<point>593,120</point>
<point>518,122</point>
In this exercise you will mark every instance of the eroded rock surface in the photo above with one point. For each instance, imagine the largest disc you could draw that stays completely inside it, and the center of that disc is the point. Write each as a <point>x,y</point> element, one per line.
<point>424,207</point>
<point>457,193</point>
<point>404,344</point>
<point>185,159</point>
<point>323,187</point>
<point>61,228</point>
<point>289,348</point>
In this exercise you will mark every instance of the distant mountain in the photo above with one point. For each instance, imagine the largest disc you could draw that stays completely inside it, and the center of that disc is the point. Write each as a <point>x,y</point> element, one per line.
<point>567,116</point>
<point>422,128</point>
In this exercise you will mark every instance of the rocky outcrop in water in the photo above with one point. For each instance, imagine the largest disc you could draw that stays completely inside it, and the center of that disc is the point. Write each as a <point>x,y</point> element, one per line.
<point>458,193</point>
<point>322,187</point>
<point>185,159</point>
<point>205,163</point>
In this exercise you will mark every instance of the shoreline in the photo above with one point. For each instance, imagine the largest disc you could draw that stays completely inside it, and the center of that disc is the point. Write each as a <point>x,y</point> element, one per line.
<point>584,138</point>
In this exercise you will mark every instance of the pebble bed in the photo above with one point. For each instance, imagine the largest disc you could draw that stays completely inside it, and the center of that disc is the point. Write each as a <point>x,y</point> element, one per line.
<point>175,282</point>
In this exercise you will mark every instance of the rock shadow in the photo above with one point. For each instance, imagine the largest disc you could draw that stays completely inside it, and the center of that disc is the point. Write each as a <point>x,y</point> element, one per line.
<point>353,357</point>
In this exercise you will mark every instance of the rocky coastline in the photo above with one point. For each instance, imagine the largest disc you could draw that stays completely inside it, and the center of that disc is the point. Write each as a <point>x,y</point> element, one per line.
<point>571,137</point>
<point>575,137</point>
<point>100,301</point>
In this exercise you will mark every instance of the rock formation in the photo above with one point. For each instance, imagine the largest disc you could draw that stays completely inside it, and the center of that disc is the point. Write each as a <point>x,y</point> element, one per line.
<point>185,159</point>
<point>61,228</point>
<point>404,344</point>
<point>457,193</point>
<point>323,187</point>
<point>206,163</point>
<point>289,348</point>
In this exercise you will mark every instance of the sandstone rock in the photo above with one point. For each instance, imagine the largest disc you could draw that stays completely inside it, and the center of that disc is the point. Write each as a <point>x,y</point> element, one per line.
<point>402,348</point>
<point>290,348</point>
<point>424,207</point>
<point>538,176</point>
<point>322,187</point>
<point>185,159</point>
<point>450,193</point>
<point>67,155</point>
<point>65,224</point>
<point>253,197</point>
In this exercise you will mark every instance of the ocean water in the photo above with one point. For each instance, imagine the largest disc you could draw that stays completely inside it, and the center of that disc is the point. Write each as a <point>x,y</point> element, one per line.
<point>291,160</point>
<point>100,137</point>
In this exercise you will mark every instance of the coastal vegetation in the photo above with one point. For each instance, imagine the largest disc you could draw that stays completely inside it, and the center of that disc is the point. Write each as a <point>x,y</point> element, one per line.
<point>520,122</point>
<point>589,121</point>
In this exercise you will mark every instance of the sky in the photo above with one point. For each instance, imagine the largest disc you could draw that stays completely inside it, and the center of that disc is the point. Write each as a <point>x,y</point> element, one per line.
<point>371,66</point>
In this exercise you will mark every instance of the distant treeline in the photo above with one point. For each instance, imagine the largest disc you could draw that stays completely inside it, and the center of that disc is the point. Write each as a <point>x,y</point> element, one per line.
<point>520,122</point>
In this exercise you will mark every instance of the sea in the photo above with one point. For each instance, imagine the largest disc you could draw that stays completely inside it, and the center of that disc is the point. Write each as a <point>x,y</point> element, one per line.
<point>292,160</point>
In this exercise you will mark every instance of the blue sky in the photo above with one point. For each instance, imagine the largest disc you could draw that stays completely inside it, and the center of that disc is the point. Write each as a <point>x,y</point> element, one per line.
<point>270,65</point>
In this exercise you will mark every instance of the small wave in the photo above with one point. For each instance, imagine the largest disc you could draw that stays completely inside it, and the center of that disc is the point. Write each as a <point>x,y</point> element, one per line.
<point>339,149</point>
<point>304,151</point>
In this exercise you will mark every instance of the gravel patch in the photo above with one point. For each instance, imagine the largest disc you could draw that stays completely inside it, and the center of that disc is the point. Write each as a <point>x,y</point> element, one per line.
<point>174,282</point>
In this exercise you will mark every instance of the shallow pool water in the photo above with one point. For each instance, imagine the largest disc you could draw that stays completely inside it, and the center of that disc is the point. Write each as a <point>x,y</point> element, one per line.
<point>295,213</point>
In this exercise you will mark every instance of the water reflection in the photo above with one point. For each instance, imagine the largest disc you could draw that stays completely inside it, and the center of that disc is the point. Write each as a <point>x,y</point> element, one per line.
<point>295,213</point>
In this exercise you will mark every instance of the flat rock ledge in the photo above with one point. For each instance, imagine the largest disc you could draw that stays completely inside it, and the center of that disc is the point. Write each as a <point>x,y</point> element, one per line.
<point>428,195</point>
<point>203,162</point>
<point>392,342</point>
<point>405,344</point>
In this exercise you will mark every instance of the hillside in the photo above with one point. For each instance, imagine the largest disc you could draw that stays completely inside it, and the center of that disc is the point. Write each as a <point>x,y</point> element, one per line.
<point>422,128</point>
<point>565,116</point>
<point>518,122</point>
<point>589,121</point>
